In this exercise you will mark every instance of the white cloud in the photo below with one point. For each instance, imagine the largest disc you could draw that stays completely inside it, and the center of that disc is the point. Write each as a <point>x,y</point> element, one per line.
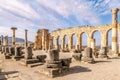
<point>20,8</point>
<point>80,9</point>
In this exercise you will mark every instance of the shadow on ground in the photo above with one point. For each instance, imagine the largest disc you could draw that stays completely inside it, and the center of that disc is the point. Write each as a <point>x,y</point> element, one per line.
<point>101,61</point>
<point>76,69</point>
<point>3,74</point>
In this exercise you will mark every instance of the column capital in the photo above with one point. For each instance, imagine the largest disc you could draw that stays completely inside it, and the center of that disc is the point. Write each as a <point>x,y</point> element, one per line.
<point>115,10</point>
<point>13,28</point>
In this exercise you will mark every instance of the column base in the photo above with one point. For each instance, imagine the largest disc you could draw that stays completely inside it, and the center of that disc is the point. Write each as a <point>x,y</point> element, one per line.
<point>115,55</point>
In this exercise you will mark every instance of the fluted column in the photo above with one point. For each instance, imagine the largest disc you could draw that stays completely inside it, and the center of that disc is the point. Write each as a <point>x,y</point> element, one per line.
<point>13,36</point>
<point>114,30</point>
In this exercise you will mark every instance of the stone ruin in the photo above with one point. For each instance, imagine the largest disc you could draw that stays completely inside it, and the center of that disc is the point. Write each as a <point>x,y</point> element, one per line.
<point>54,66</point>
<point>84,56</point>
<point>103,53</point>
<point>31,61</point>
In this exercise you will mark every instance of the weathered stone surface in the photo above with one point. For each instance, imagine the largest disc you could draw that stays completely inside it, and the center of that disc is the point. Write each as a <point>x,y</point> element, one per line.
<point>54,54</point>
<point>52,62</point>
<point>103,53</point>
<point>87,55</point>
<point>77,56</point>
<point>28,53</point>
<point>54,72</point>
<point>41,58</point>
<point>12,50</point>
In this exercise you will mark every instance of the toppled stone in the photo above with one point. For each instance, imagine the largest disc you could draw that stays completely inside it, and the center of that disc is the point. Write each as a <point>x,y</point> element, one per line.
<point>77,56</point>
<point>103,53</point>
<point>87,55</point>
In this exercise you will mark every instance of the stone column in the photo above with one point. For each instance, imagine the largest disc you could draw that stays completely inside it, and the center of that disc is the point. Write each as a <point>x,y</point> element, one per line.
<point>56,42</point>
<point>78,42</point>
<point>93,44</point>
<point>89,42</point>
<point>70,42</point>
<point>13,36</point>
<point>119,37</point>
<point>63,43</point>
<point>1,39</point>
<point>114,30</point>
<point>26,40</point>
<point>5,42</point>
<point>104,41</point>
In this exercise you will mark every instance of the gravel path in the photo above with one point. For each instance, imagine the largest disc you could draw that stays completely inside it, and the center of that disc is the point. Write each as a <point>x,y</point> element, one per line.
<point>103,69</point>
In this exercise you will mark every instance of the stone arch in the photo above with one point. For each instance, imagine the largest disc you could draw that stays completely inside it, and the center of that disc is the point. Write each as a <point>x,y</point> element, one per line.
<point>83,39</point>
<point>74,39</point>
<point>53,42</point>
<point>109,37</point>
<point>92,34</point>
<point>97,36</point>
<point>59,42</point>
<point>65,38</point>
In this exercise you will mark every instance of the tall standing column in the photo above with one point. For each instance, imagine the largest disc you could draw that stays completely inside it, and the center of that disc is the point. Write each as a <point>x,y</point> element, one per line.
<point>104,41</point>
<point>114,30</point>
<point>63,43</point>
<point>2,40</point>
<point>26,40</point>
<point>93,44</point>
<point>13,36</point>
<point>89,42</point>
<point>119,37</point>
<point>56,42</point>
<point>70,42</point>
<point>78,42</point>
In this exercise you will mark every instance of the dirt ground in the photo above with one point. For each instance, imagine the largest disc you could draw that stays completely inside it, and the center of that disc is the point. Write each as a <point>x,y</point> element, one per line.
<point>103,69</point>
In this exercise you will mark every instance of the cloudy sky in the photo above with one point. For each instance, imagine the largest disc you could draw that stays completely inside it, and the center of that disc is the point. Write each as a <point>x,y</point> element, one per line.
<point>53,14</point>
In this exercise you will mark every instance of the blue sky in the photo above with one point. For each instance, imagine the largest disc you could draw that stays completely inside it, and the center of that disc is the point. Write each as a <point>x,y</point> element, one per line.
<point>53,14</point>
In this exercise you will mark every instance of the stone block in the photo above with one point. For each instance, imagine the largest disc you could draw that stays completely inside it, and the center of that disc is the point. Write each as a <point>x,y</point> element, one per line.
<point>103,52</point>
<point>59,65</point>
<point>77,56</point>
<point>53,62</point>
<point>41,58</point>
<point>87,55</point>
<point>54,54</point>
<point>28,53</point>
<point>51,72</point>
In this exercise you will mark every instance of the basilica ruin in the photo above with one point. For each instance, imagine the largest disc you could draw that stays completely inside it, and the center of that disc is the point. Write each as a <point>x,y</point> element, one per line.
<point>55,59</point>
<point>45,40</point>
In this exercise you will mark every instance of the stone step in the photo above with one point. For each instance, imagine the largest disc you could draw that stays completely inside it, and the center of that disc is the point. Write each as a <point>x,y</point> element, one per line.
<point>29,61</point>
<point>35,64</point>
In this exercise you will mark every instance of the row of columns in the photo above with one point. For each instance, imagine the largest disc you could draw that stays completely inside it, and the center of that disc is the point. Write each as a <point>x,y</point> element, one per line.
<point>91,41</point>
<point>78,46</point>
<point>4,40</point>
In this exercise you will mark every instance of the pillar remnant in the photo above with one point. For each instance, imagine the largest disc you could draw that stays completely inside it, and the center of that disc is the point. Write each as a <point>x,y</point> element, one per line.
<point>5,41</point>
<point>26,42</point>
<point>1,39</point>
<point>87,55</point>
<point>93,44</point>
<point>13,36</point>
<point>103,53</point>
<point>114,30</point>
